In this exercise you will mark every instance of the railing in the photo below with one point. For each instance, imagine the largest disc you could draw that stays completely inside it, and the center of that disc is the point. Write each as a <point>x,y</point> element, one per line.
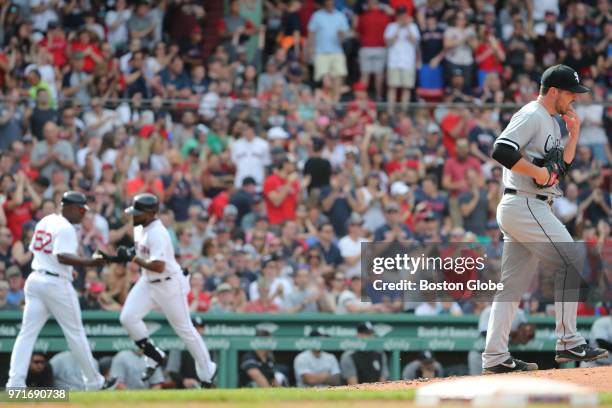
<point>227,335</point>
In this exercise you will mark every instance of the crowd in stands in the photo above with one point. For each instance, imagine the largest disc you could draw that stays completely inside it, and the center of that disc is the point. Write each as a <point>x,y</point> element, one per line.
<point>292,141</point>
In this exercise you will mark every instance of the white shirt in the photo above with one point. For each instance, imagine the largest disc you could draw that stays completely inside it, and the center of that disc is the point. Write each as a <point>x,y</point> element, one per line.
<point>109,118</point>
<point>153,244</point>
<point>53,235</point>
<point>402,53</point>
<point>348,247</point>
<point>460,54</point>
<point>81,161</point>
<point>41,20</point>
<point>250,158</point>
<point>120,34</point>
<point>279,301</point>
<point>307,363</point>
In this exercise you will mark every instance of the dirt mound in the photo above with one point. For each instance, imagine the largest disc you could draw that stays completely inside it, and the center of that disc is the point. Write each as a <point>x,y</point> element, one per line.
<point>597,379</point>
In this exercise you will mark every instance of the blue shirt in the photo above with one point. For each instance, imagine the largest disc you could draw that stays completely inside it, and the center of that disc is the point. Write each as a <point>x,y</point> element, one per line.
<point>325,26</point>
<point>15,298</point>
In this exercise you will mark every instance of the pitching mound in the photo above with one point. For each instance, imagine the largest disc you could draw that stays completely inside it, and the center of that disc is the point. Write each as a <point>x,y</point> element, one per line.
<point>597,379</point>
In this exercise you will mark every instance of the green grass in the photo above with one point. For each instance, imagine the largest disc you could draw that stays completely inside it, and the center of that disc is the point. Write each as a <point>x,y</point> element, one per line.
<point>241,395</point>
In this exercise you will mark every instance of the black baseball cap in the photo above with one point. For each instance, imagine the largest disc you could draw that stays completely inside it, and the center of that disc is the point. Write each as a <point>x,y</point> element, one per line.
<point>563,77</point>
<point>75,198</point>
<point>365,328</point>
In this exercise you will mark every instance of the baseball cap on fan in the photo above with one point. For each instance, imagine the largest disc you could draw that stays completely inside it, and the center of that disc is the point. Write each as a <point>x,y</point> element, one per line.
<point>563,77</point>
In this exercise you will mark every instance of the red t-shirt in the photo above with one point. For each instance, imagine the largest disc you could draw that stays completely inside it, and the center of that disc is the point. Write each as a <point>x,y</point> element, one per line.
<point>57,47</point>
<point>203,301</point>
<point>286,210</point>
<point>491,63</point>
<point>88,62</point>
<point>136,184</point>
<point>448,123</point>
<point>218,204</point>
<point>456,170</point>
<point>18,216</point>
<point>371,28</point>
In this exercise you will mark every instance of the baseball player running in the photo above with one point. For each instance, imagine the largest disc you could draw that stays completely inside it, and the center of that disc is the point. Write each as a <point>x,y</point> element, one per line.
<point>49,290</point>
<point>162,286</point>
<point>529,149</point>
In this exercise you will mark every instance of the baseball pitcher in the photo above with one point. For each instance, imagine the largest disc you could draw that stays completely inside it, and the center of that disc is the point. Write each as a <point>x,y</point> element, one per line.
<point>534,161</point>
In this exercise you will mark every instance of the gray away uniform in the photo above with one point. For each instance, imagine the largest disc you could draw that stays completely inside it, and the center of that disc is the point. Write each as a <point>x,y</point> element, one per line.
<point>525,220</point>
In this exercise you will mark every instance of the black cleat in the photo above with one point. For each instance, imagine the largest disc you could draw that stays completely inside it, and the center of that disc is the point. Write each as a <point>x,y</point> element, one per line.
<point>109,384</point>
<point>583,352</point>
<point>511,365</point>
<point>211,383</point>
<point>150,370</point>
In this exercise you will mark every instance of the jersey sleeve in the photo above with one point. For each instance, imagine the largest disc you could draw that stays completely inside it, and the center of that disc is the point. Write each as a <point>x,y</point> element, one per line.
<point>522,128</point>
<point>348,365</point>
<point>65,241</point>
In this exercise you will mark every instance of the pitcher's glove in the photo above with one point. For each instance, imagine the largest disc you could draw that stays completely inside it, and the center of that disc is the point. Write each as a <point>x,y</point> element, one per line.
<point>523,334</point>
<point>556,166</point>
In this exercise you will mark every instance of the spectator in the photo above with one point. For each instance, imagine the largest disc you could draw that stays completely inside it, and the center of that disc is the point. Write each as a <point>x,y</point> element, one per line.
<point>234,29</point>
<point>350,300</point>
<point>198,299</point>
<point>91,298</point>
<point>6,243</point>
<point>431,78</point>
<point>20,204</point>
<point>474,204</point>
<point>128,366</point>
<point>594,201</point>
<point>338,202</point>
<point>394,229</point>
<point>281,191</point>
<point>66,371</point>
<point>11,121</point>
<point>250,154</point>
<point>4,304</point>
<point>141,25</point>
<point>100,121</point>
<point>350,245</point>
<point>459,44</point>
<point>316,368</point>
<point>16,295</point>
<point>42,113</point>
<point>592,131</point>
<point>425,366</point>
<point>402,38</point>
<point>327,29</point>
<point>264,302</point>
<point>370,27</point>
<point>116,20</point>
<point>53,153</point>
<point>224,300</point>
<point>304,297</point>
<point>360,366</point>
<point>317,169</point>
<point>40,372</point>
<point>329,249</point>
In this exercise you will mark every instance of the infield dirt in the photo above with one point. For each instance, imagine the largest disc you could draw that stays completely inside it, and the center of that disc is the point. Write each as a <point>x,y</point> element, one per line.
<point>597,379</point>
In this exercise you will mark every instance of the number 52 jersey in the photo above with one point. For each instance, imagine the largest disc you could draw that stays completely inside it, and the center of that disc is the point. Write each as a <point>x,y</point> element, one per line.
<point>53,235</point>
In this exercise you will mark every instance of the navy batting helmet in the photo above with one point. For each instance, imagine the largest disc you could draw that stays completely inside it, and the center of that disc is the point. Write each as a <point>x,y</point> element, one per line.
<point>75,198</point>
<point>143,203</point>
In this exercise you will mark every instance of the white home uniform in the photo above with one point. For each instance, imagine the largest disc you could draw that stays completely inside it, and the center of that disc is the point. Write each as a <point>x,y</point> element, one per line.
<point>165,292</point>
<point>49,291</point>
